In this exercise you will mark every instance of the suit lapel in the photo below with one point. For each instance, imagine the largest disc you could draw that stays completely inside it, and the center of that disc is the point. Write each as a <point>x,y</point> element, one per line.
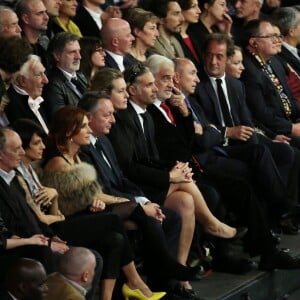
<point>213,97</point>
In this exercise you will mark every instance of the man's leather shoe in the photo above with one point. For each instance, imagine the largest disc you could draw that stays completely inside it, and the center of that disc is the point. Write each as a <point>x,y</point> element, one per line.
<point>181,292</point>
<point>288,227</point>
<point>232,264</point>
<point>278,260</point>
<point>276,237</point>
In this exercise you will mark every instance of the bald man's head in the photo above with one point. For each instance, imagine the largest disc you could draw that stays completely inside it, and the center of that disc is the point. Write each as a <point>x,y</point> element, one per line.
<point>116,36</point>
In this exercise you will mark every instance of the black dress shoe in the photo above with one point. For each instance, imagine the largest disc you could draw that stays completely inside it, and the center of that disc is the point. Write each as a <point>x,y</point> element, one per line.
<point>240,233</point>
<point>288,227</point>
<point>276,237</point>
<point>181,292</point>
<point>232,264</point>
<point>278,260</point>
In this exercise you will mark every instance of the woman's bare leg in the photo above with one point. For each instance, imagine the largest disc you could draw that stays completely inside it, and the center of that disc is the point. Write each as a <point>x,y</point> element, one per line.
<point>183,203</point>
<point>203,215</point>
<point>107,287</point>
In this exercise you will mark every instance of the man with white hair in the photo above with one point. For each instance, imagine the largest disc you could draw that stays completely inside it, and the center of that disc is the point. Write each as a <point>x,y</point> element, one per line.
<point>25,92</point>
<point>288,20</point>
<point>74,277</point>
<point>9,22</point>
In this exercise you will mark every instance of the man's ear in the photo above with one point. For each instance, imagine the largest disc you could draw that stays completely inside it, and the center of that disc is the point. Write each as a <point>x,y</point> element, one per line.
<point>85,276</point>
<point>176,78</point>
<point>252,42</point>
<point>136,31</point>
<point>115,42</point>
<point>25,18</point>
<point>131,90</point>
<point>56,56</point>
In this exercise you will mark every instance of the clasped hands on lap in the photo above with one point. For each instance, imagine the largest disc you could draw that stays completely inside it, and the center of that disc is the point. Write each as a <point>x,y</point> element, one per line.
<point>181,172</point>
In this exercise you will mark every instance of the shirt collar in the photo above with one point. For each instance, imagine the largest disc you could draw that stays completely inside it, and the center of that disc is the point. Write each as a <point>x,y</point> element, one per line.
<point>67,74</point>
<point>77,286</point>
<point>93,139</point>
<point>7,177</point>
<point>292,49</point>
<point>119,59</point>
<point>137,108</point>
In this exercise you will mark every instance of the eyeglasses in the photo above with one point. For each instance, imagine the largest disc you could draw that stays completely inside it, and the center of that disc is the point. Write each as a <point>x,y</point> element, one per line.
<point>100,50</point>
<point>273,37</point>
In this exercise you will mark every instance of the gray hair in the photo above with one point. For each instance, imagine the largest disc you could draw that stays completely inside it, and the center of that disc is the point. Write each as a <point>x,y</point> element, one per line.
<point>285,18</point>
<point>155,62</point>
<point>25,69</point>
<point>4,10</point>
<point>75,261</point>
<point>3,137</point>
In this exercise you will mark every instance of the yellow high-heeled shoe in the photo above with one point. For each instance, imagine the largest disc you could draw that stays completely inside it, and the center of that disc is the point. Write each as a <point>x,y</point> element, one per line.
<point>137,294</point>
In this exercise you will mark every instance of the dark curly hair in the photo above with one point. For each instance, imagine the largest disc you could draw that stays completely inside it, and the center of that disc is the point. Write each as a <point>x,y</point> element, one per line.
<point>14,53</point>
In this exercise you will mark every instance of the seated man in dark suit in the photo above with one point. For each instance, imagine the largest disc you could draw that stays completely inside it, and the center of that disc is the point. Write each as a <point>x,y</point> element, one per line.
<point>268,96</point>
<point>26,279</point>
<point>74,277</point>
<point>21,220</point>
<point>288,20</point>
<point>101,155</point>
<point>66,83</point>
<point>89,17</point>
<point>117,39</point>
<point>25,92</point>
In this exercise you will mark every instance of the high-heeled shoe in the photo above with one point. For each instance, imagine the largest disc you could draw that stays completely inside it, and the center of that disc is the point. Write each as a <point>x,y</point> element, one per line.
<point>240,233</point>
<point>137,294</point>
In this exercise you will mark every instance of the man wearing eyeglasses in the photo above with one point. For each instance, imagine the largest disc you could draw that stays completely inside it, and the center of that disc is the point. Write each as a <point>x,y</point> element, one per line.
<point>268,95</point>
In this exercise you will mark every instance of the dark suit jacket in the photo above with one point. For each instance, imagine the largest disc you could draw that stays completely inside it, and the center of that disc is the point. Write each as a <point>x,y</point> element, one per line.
<point>128,60</point>
<point>60,92</point>
<point>16,213</point>
<point>18,107</point>
<point>5,296</point>
<point>290,58</point>
<point>211,136</point>
<point>114,183</point>
<point>86,23</point>
<point>262,98</point>
<point>173,142</point>
<point>209,102</point>
<point>130,146</point>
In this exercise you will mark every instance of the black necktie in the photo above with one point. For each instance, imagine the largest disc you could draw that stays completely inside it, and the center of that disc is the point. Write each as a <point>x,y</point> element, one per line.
<point>78,85</point>
<point>223,104</point>
<point>106,167</point>
<point>148,136</point>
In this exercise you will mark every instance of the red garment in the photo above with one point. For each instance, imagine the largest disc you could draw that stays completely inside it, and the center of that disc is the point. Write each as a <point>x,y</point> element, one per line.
<point>167,109</point>
<point>189,44</point>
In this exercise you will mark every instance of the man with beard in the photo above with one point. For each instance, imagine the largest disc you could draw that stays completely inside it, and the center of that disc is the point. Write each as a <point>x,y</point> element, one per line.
<point>171,18</point>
